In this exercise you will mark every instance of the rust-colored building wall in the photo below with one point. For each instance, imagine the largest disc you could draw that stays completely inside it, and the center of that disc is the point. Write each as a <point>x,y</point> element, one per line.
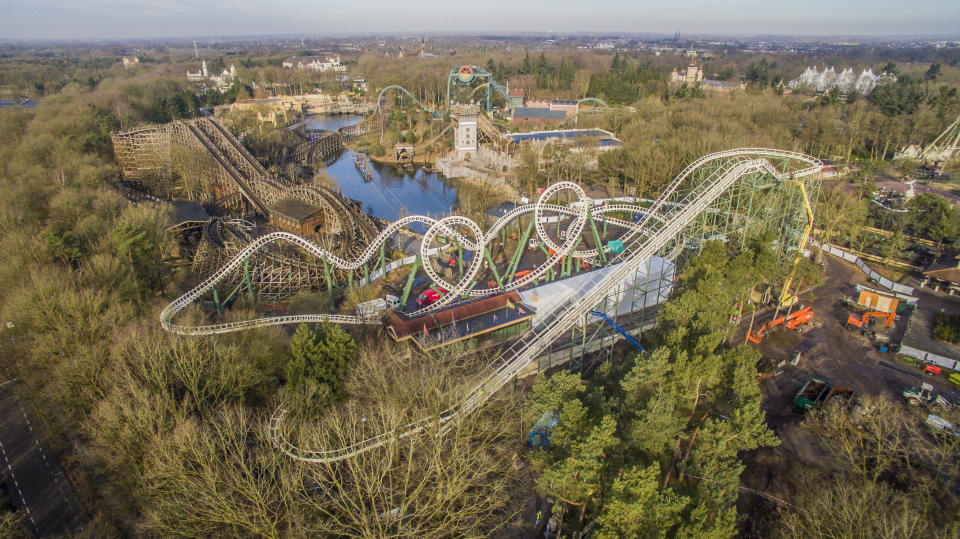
<point>878,302</point>
<point>307,227</point>
<point>400,328</point>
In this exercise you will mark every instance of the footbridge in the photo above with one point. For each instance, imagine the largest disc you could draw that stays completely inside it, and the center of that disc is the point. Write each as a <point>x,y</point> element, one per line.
<point>705,190</point>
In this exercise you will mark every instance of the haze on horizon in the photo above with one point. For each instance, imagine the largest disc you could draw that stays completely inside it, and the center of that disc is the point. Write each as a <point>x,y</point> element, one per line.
<point>105,19</point>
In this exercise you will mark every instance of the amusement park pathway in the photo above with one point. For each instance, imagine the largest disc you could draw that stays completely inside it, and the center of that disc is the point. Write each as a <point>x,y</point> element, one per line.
<point>35,482</point>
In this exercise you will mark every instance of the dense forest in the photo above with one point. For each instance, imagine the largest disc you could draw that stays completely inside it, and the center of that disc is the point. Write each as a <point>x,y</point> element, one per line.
<point>167,436</point>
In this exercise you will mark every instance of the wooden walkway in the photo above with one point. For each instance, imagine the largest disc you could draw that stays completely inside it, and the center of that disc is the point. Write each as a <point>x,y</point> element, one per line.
<point>35,481</point>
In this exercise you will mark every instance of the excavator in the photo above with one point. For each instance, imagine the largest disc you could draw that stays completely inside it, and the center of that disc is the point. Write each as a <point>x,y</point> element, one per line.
<point>854,320</point>
<point>792,321</point>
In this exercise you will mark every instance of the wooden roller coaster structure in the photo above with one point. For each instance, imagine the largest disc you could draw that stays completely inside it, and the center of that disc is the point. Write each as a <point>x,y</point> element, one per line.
<point>200,161</point>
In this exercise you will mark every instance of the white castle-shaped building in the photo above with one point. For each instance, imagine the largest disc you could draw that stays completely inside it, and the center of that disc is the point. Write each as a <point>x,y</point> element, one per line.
<point>845,81</point>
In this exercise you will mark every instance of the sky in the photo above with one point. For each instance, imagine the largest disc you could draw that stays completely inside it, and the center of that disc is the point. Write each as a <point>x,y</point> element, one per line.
<point>105,19</point>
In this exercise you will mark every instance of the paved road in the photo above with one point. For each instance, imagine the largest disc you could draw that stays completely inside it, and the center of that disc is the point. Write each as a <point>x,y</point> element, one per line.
<point>36,483</point>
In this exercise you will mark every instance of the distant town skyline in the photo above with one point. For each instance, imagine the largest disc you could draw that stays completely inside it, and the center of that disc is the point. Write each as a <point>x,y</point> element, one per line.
<point>116,19</point>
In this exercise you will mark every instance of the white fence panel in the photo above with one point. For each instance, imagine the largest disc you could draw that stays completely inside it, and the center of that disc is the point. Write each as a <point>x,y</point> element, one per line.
<point>857,261</point>
<point>929,357</point>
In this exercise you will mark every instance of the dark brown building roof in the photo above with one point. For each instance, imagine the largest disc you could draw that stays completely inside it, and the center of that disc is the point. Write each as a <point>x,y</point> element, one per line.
<point>293,208</point>
<point>945,274</point>
<point>462,322</point>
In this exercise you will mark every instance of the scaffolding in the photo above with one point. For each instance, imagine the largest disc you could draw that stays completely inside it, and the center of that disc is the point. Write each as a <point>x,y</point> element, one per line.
<point>759,203</point>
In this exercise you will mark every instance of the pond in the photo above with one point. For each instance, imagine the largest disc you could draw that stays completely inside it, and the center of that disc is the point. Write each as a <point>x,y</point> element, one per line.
<point>392,193</point>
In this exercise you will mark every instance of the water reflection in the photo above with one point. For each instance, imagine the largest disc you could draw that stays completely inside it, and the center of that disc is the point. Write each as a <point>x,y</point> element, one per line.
<point>393,193</point>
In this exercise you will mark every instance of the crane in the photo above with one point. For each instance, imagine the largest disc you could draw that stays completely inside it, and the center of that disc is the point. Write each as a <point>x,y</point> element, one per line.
<point>791,321</point>
<point>785,298</point>
<point>854,320</point>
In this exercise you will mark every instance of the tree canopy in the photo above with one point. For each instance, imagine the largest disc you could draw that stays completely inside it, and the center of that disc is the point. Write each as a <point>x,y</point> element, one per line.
<point>649,446</point>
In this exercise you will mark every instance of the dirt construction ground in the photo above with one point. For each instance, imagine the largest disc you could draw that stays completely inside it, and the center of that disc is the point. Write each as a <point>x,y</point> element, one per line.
<point>840,355</point>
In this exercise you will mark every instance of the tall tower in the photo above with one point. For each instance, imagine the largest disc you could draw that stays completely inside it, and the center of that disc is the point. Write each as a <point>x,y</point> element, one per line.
<point>465,137</point>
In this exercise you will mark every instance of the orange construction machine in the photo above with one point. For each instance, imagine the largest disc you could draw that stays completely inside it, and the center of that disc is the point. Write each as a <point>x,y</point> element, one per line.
<point>791,321</point>
<point>854,320</point>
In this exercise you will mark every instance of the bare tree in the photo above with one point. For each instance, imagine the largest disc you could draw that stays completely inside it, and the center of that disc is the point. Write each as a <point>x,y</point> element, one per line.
<point>461,483</point>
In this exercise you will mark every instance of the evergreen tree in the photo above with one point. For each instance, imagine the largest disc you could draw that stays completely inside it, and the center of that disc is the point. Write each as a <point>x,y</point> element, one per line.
<point>643,430</point>
<point>526,68</point>
<point>615,66</point>
<point>320,357</point>
<point>931,216</point>
<point>337,348</point>
<point>139,243</point>
<point>639,507</point>
<point>305,348</point>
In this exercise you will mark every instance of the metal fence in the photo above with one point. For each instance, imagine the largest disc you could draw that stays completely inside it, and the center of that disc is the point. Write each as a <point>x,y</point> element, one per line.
<point>858,262</point>
<point>929,357</point>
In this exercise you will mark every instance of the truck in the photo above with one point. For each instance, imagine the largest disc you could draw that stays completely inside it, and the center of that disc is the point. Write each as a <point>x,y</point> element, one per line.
<point>812,393</point>
<point>819,391</point>
<point>926,395</point>
<point>430,295</point>
<point>376,307</point>
<point>839,395</point>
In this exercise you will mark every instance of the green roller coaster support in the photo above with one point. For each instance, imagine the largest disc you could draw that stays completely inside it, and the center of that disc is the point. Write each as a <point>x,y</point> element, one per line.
<point>366,273</point>
<point>383,259</point>
<point>329,274</point>
<point>518,254</point>
<point>574,265</point>
<point>409,286</point>
<point>246,277</point>
<point>466,293</point>
<point>550,271</point>
<point>460,259</point>
<point>493,267</point>
<point>603,218</point>
<point>350,279</point>
<point>477,72</point>
<point>567,264</point>
<point>596,237</point>
<point>245,282</point>
<point>233,293</point>
<point>216,301</point>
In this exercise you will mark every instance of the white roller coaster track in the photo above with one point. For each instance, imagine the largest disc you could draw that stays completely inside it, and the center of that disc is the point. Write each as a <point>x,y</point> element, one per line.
<point>448,226</point>
<point>643,240</point>
<point>649,240</point>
